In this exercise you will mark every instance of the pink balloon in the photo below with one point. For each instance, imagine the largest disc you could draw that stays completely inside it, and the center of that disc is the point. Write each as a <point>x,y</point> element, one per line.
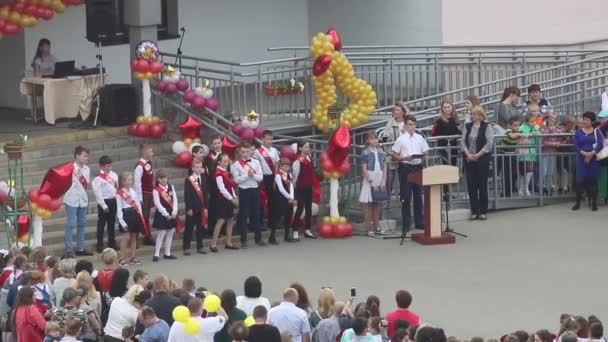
<point>189,96</point>
<point>161,85</point>
<point>248,134</point>
<point>237,128</point>
<point>212,104</point>
<point>182,85</point>
<point>287,152</point>
<point>171,88</point>
<point>198,102</point>
<point>259,131</point>
<point>3,196</point>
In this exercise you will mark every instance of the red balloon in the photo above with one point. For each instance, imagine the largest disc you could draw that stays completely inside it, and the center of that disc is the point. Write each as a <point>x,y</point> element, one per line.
<point>44,200</point>
<point>31,10</point>
<point>321,64</point>
<point>2,24</point>
<point>212,104</point>
<point>189,96</point>
<point>131,129</point>
<point>248,134</point>
<point>191,128</point>
<point>184,159</point>
<point>47,14</point>
<point>142,130</point>
<point>18,7</point>
<point>23,225</point>
<point>161,85</point>
<point>163,125</point>
<point>198,102</point>
<point>156,67</point>
<point>238,128</point>
<point>335,38</point>
<point>182,84</point>
<point>156,130</point>
<point>57,180</point>
<point>11,28</point>
<point>134,64</point>
<point>344,168</point>
<point>326,230</point>
<point>259,131</point>
<point>339,145</point>
<point>34,195</point>
<point>288,152</point>
<point>171,88</point>
<point>3,196</point>
<point>142,66</point>
<point>229,146</point>
<point>55,204</point>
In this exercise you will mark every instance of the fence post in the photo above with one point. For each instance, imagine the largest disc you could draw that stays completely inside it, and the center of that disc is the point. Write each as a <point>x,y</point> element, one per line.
<point>436,67</point>
<point>541,175</point>
<point>258,92</point>
<point>231,88</point>
<point>495,159</point>
<point>393,97</point>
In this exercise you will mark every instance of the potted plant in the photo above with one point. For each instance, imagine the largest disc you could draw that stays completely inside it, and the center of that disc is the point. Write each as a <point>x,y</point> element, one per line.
<point>284,88</point>
<point>14,147</point>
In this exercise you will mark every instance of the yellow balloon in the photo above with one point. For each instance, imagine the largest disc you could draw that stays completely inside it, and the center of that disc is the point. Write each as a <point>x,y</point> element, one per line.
<point>45,3</point>
<point>58,6</point>
<point>181,314</point>
<point>188,141</point>
<point>15,17</point>
<point>4,12</point>
<point>148,119</point>
<point>155,119</point>
<point>197,140</point>
<point>24,238</point>
<point>149,76</point>
<point>139,76</point>
<point>249,321</point>
<point>47,215</point>
<point>140,119</point>
<point>326,219</point>
<point>34,206</point>
<point>192,326</point>
<point>341,219</point>
<point>212,303</point>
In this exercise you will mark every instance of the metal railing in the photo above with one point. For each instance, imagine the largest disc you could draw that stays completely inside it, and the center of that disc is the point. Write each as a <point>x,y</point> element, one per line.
<point>395,75</point>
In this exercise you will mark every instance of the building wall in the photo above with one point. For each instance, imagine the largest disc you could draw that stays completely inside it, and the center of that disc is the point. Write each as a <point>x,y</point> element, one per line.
<point>12,68</point>
<point>483,22</point>
<point>364,22</point>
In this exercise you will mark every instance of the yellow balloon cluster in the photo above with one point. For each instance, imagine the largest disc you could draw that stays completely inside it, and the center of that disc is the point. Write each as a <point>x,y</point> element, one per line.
<point>181,314</point>
<point>342,74</point>
<point>144,75</point>
<point>334,219</point>
<point>44,213</point>
<point>212,303</point>
<point>150,120</point>
<point>189,141</point>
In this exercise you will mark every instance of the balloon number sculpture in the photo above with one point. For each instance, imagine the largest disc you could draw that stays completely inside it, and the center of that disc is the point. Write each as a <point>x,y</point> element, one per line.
<point>331,67</point>
<point>335,164</point>
<point>26,13</point>
<point>249,127</point>
<point>146,67</point>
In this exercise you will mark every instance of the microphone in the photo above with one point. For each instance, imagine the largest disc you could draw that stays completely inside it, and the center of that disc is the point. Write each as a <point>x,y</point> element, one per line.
<point>183,29</point>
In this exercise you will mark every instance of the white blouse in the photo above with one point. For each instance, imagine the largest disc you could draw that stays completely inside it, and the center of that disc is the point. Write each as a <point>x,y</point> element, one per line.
<point>122,204</point>
<point>159,206</point>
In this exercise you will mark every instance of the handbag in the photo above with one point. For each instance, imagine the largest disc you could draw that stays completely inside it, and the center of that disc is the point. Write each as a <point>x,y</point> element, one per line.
<point>603,153</point>
<point>379,195</point>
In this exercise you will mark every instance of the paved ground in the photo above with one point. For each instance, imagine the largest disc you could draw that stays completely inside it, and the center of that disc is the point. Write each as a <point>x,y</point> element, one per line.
<point>519,270</point>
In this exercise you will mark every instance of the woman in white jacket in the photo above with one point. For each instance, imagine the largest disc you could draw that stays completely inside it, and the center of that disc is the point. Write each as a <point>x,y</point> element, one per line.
<point>394,128</point>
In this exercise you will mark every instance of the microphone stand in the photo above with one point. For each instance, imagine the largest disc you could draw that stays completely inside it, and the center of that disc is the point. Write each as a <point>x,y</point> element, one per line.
<point>179,49</point>
<point>446,199</point>
<point>99,57</point>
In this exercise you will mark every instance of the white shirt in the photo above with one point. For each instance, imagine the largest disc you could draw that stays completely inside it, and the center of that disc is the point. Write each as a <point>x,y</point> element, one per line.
<point>401,128</point>
<point>209,327</point>
<point>122,204</point>
<point>137,175</point>
<point>122,314</point>
<point>219,180</point>
<point>274,156</point>
<point>77,195</point>
<point>411,144</point>
<point>287,193</point>
<point>288,317</point>
<point>242,178</point>
<point>161,209</point>
<point>103,189</point>
<point>248,304</point>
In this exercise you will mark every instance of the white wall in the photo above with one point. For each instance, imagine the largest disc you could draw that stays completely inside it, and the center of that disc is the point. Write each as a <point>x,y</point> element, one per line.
<point>364,22</point>
<point>483,22</point>
<point>12,67</point>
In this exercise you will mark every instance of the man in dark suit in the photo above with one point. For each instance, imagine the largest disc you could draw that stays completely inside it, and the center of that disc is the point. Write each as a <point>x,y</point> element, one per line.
<point>196,208</point>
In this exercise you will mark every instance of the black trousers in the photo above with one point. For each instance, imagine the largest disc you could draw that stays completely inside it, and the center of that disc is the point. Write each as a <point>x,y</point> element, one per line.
<point>270,190</point>
<point>249,211</point>
<point>191,222</point>
<point>282,210</point>
<point>304,198</point>
<point>106,219</point>
<point>477,184</point>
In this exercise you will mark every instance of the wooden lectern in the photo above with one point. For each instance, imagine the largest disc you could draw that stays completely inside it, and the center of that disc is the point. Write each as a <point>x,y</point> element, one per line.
<point>432,178</point>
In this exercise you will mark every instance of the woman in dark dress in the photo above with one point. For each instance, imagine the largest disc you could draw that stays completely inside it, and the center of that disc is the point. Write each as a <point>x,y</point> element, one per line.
<point>588,141</point>
<point>448,124</point>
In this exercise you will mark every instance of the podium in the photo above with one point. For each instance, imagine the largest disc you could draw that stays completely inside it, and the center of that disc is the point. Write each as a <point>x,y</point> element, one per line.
<point>432,178</point>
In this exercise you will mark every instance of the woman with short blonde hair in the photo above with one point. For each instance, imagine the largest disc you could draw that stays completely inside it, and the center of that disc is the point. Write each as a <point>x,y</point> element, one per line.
<point>326,308</point>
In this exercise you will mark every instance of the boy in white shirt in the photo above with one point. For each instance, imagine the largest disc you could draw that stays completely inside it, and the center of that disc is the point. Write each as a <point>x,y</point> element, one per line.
<point>104,187</point>
<point>76,202</point>
<point>247,173</point>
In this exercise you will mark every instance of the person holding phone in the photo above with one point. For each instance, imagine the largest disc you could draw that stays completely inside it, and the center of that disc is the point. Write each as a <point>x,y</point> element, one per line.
<point>408,150</point>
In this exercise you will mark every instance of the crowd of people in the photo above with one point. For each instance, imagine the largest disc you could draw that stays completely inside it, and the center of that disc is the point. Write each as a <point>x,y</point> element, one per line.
<point>46,299</point>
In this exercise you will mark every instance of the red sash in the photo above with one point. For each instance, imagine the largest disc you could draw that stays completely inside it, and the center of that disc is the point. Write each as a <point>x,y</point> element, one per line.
<point>246,165</point>
<point>127,198</point>
<point>228,182</point>
<point>267,158</point>
<point>167,201</point>
<point>201,197</point>
<point>286,177</point>
<point>107,178</point>
<point>146,167</point>
<point>80,177</point>
<point>305,161</point>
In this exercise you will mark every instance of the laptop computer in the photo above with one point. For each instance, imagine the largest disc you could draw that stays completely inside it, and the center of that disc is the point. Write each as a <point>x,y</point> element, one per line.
<point>63,69</point>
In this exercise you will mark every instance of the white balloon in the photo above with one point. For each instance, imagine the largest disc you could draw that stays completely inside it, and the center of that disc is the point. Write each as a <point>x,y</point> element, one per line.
<point>205,147</point>
<point>294,146</point>
<point>4,187</point>
<point>199,91</point>
<point>245,123</point>
<point>174,77</point>
<point>254,124</point>
<point>179,147</point>
<point>207,93</point>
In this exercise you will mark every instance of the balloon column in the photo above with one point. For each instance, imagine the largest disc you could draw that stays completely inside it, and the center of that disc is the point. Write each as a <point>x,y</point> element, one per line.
<point>335,164</point>
<point>172,82</point>
<point>331,67</point>
<point>191,130</point>
<point>201,98</point>
<point>146,67</point>
<point>26,13</point>
<point>249,128</point>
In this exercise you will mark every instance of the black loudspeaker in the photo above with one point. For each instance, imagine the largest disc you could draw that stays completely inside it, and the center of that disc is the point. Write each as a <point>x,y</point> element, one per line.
<point>118,104</point>
<point>103,20</point>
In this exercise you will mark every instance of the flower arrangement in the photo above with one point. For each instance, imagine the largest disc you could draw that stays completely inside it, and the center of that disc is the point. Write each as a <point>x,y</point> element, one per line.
<point>14,147</point>
<point>284,88</point>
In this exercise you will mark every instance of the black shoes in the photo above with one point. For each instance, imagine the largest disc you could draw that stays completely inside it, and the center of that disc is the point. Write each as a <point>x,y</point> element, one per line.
<point>169,257</point>
<point>155,259</point>
<point>201,251</point>
<point>83,252</point>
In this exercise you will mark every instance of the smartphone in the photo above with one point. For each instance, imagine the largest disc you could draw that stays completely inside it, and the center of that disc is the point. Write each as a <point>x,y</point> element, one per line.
<point>353,292</point>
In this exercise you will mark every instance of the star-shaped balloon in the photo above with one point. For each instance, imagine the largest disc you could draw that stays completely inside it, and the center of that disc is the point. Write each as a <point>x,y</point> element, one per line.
<point>190,128</point>
<point>252,116</point>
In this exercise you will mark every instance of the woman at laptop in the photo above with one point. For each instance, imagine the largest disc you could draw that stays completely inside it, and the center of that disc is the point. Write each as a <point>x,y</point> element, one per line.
<point>44,61</point>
